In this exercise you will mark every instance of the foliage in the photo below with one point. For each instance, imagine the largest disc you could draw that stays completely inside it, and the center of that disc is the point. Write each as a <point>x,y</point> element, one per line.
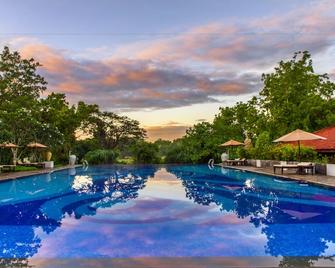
<point>25,116</point>
<point>22,168</point>
<point>82,147</point>
<point>176,153</point>
<point>101,157</point>
<point>146,152</point>
<point>286,152</point>
<point>163,147</point>
<point>112,130</point>
<point>294,96</point>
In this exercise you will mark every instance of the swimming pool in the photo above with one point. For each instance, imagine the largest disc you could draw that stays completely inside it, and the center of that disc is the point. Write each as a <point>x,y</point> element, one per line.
<point>171,211</point>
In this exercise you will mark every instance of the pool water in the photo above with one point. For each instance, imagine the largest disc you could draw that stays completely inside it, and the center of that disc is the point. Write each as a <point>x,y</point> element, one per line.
<point>168,211</point>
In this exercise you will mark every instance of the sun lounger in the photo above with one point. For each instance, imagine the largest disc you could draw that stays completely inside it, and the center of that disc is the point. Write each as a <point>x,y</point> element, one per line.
<point>305,167</point>
<point>283,167</point>
<point>5,168</point>
<point>29,164</point>
<point>302,168</point>
<point>235,162</point>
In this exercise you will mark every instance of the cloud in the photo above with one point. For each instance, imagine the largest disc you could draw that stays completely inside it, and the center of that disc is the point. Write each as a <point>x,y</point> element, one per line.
<point>203,65</point>
<point>133,84</point>
<point>166,132</point>
<point>252,43</point>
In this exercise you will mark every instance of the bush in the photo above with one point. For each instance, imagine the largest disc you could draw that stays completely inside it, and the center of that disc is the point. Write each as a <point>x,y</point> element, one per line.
<point>101,157</point>
<point>146,152</point>
<point>291,153</point>
<point>177,153</point>
<point>82,147</point>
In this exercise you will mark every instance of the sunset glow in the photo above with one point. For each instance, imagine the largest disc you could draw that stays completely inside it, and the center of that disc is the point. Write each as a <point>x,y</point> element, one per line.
<point>168,64</point>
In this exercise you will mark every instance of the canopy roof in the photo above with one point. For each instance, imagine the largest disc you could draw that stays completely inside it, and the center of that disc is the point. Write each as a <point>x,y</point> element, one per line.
<point>299,135</point>
<point>323,145</point>
<point>232,143</point>
<point>36,145</point>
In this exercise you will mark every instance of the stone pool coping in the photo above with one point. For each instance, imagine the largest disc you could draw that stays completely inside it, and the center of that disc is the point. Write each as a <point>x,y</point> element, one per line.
<point>22,174</point>
<point>317,179</point>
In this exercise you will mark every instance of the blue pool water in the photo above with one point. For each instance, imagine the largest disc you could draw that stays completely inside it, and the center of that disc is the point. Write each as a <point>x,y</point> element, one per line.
<point>164,211</point>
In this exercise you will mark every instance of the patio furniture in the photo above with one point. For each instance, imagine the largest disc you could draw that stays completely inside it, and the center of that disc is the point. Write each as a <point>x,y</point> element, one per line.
<point>242,162</point>
<point>299,135</point>
<point>235,162</point>
<point>306,168</point>
<point>302,168</point>
<point>29,164</point>
<point>7,168</point>
<point>284,167</point>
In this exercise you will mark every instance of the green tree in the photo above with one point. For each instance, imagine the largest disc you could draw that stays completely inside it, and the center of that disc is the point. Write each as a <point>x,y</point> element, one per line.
<point>115,131</point>
<point>294,96</point>
<point>20,89</point>
<point>146,152</point>
<point>163,147</point>
<point>199,144</point>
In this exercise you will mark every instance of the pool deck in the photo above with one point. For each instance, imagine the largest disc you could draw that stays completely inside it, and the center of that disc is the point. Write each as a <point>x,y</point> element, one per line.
<point>21,174</point>
<point>323,180</point>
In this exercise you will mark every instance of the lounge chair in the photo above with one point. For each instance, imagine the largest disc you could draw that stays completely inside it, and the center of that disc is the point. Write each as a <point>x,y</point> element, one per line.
<point>242,162</point>
<point>7,168</point>
<point>305,167</point>
<point>283,167</point>
<point>302,168</point>
<point>27,163</point>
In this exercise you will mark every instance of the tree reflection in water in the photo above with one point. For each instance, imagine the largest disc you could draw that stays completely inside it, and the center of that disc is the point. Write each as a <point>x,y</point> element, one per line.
<point>284,212</point>
<point>78,195</point>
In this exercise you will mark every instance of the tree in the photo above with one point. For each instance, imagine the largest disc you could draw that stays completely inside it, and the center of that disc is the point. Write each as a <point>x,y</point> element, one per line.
<point>20,89</point>
<point>294,96</point>
<point>238,122</point>
<point>62,122</point>
<point>145,152</point>
<point>198,143</point>
<point>115,131</point>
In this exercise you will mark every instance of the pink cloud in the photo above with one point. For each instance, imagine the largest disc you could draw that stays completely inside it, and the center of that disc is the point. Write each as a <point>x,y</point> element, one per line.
<point>193,67</point>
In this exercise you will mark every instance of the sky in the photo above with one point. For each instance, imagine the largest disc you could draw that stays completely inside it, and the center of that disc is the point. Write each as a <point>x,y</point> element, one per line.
<point>169,64</point>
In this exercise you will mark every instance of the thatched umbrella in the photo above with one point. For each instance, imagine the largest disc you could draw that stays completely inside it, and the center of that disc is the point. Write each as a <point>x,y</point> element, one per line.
<point>36,146</point>
<point>13,148</point>
<point>299,135</point>
<point>231,143</point>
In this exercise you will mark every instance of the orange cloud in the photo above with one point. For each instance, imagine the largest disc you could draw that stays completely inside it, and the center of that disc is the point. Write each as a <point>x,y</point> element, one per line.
<point>166,132</point>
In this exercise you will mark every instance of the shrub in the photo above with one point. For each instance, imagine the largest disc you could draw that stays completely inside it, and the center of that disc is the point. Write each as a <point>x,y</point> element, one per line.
<point>291,153</point>
<point>82,147</point>
<point>101,157</point>
<point>146,152</point>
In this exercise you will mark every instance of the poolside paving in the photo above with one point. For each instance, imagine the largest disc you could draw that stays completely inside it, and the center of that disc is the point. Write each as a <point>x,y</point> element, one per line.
<point>4,176</point>
<point>317,179</point>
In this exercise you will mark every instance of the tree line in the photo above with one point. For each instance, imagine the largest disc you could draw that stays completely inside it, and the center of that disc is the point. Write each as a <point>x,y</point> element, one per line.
<point>27,115</point>
<point>293,96</point>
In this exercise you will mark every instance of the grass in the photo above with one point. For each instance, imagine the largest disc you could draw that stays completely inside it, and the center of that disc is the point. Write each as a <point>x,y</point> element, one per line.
<point>21,168</point>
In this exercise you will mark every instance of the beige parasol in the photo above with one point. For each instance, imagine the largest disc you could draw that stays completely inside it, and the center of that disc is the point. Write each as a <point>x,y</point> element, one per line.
<point>231,143</point>
<point>8,145</point>
<point>13,147</point>
<point>36,145</point>
<point>299,135</point>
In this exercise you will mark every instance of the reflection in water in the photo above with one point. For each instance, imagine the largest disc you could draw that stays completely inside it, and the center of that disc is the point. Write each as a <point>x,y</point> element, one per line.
<point>154,218</point>
<point>291,216</point>
<point>26,207</point>
<point>82,184</point>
